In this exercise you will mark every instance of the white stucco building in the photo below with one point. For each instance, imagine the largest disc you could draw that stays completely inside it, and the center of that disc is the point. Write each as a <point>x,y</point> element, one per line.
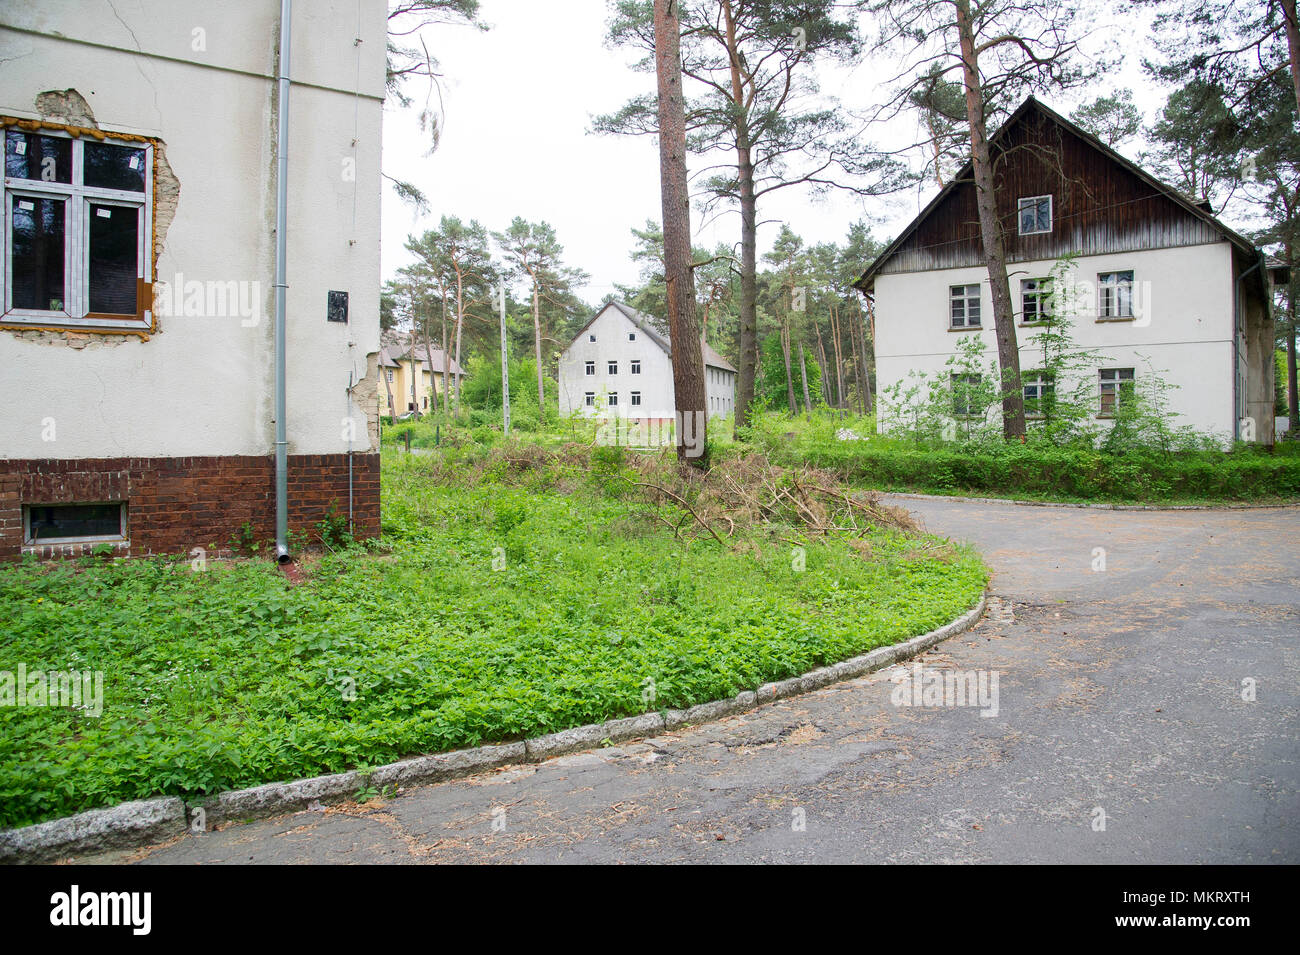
<point>1160,285</point>
<point>618,365</point>
<point>140,199</point>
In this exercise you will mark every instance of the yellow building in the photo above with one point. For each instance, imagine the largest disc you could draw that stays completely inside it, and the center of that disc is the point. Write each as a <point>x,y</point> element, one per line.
<point>400,370</point>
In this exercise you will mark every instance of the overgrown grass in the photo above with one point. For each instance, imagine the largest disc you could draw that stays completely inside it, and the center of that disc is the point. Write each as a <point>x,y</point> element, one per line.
<point>511,596</point>
<point>1033,470</point>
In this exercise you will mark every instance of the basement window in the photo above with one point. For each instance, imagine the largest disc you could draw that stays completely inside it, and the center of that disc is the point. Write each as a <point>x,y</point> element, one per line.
<point>74,523</point>
<point>78,214</point>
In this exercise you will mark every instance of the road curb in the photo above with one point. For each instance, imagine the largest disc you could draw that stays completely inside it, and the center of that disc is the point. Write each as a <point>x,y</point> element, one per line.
<point>146,822</point>
<point>1094,506</point>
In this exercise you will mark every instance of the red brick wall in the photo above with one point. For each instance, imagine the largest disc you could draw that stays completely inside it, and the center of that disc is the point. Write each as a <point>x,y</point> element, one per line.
<point>176,504</point>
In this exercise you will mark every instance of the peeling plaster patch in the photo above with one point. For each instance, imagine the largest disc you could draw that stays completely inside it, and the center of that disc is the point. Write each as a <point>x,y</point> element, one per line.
<point>65,106</point>
<point>364,393</point>
<point>69,108</point>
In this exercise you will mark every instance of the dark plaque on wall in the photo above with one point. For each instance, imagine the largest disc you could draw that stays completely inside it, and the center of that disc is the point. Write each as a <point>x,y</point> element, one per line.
<point>337,310</point>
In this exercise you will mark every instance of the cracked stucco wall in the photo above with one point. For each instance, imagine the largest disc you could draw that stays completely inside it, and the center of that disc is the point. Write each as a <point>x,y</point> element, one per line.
<point>203,384</point>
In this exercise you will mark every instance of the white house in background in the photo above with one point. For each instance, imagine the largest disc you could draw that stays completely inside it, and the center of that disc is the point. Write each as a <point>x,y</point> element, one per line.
<point>619,363</point>
<point>138,285</point>
<point>1166,288</point>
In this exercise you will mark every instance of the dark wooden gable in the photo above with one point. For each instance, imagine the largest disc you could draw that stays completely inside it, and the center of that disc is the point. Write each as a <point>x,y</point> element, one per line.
<point>1100,203</point>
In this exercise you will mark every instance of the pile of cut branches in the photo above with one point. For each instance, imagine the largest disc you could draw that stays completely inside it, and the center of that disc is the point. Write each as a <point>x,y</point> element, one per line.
<point>750,491</point>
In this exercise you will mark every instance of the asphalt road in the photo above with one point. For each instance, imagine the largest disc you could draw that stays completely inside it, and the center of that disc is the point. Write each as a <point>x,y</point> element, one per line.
<point>1121,732</point>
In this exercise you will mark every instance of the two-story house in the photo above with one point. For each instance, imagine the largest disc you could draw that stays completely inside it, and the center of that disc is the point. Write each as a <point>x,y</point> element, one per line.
<point>620,366</point>
<point>1164,287</point>
<point>189,301</point>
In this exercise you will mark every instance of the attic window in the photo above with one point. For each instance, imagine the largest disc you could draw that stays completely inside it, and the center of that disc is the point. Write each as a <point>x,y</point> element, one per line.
<point>1035,215</point>
<point>78,216</point>
<point>631,336</point>
<point>591,338</point>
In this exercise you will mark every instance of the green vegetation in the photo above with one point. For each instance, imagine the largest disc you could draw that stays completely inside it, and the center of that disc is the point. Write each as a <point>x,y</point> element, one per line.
<point>516,591</point>
<point>1185,472</point>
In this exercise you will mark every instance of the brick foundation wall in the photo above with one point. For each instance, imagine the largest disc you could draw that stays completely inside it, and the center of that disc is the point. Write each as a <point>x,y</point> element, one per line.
<point>176,504</point>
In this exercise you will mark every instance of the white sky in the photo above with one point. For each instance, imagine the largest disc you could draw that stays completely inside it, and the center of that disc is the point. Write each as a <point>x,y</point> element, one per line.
<point>518,100</point>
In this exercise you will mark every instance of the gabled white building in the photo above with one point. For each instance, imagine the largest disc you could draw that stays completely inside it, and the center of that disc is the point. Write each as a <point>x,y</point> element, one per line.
<point>620,366</point>
<point>1164,287</point>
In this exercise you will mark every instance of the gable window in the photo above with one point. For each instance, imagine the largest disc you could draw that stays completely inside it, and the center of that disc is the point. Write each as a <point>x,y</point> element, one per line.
<point>965,306</point>
<point>1035,301</point>
<point>965,399</point>
<point>1115,294</point>
<point>636,397</point>
<point>591,338</point>
<point>613,368</point>
<point>613,398</point>
<point>65,523</point>
<point>589,399</point>
<point>390,375</point>
<point>591,367</point>
<point>78,216</point>
<point>636,366</point>
<point>1040,392</point>
<point>1116,387</point>
<point>1035,215</point>
<point>631,336</point>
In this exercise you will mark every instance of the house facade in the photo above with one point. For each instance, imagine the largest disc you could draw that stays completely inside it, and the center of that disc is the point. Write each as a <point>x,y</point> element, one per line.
<point>620,366</point>
<point>429,372</point>
<point>139,285</point>
<point>1155,286</point>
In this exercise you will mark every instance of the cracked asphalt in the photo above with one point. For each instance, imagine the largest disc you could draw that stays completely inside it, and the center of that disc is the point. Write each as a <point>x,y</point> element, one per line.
<point>1120,705</point>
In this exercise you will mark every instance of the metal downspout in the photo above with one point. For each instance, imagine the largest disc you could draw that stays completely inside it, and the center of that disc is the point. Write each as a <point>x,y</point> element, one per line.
<point>281,285</point>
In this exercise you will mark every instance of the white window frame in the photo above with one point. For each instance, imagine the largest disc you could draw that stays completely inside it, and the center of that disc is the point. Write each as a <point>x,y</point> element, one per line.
<point>1037,289</point>
<point>120,536</point>
<point>612,400</point>
<point>612,367</point>
<point>1108,299</point>
<point>77,200</point>
<point>1035,200</point>
<point>591,338</point>
<point>965,298</point>
<point>1116,382</point>
<point>636,398</point>
<point>636,367</point>
<point>971,380</point>
<point>590,368</point>
<point>1043,384</point>
<point>589,399</point>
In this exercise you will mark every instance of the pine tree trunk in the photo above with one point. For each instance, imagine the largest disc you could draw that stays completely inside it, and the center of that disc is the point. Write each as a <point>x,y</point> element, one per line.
<point>789,380</point>
<point>821,355</point>
<point>1293,44</point>
<point>537,347</point>
<point>995,256</point>
<point>446,358</point>
<point>748,331</point>
<point>460,328</point>
<point>803,374</point>
<point>839,358</point>
<point>687,354</point>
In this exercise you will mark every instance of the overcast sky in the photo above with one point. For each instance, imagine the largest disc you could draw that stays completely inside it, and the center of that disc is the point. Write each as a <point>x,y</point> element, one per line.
<point>518,100</point>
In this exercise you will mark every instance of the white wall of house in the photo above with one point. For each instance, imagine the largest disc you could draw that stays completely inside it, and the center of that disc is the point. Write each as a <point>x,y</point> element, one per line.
<point>619,340</point>
<point>203,384</point>
<point>719,390</point>
<point>1183,328</point>
<point>612,329</point>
